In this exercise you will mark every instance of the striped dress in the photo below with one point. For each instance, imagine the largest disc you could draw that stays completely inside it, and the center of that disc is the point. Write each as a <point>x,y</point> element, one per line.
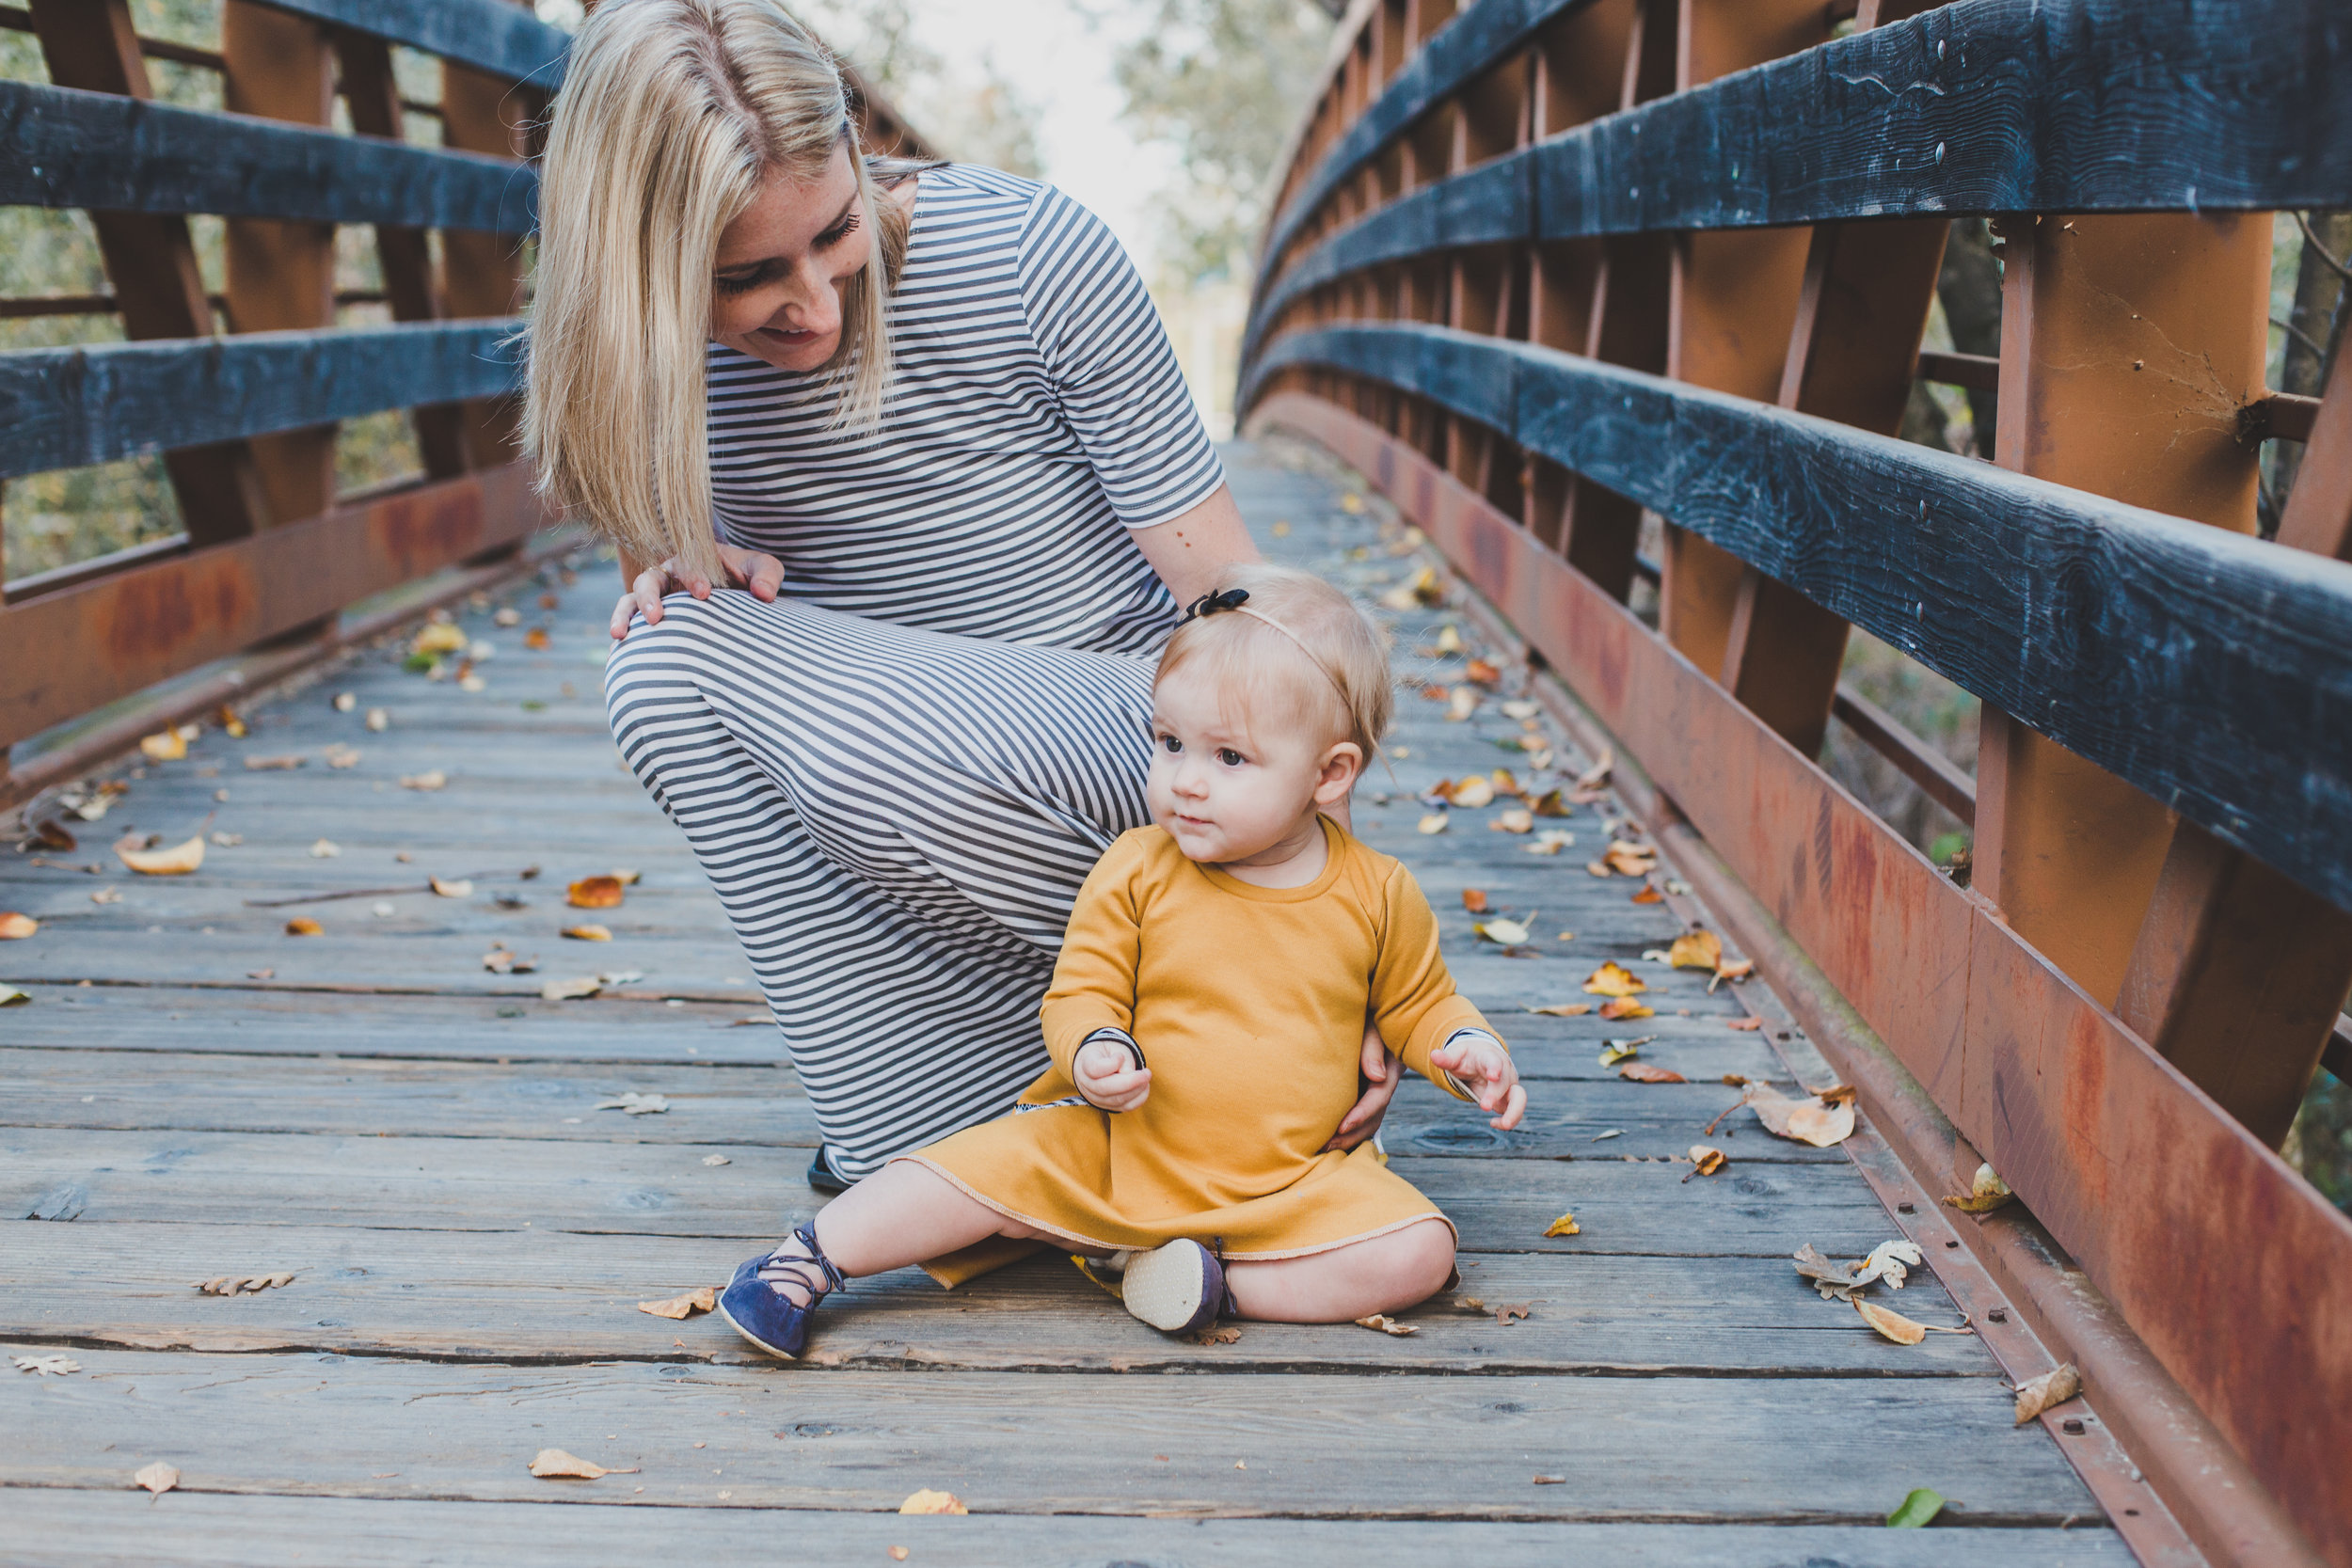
<point>897,775</point>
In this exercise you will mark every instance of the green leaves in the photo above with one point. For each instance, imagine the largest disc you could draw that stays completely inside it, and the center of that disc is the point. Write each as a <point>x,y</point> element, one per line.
<point>1917,1508</point>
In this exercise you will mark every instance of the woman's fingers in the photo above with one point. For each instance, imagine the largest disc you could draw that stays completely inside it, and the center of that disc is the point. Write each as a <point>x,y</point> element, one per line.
<point>762,574</point>
<point>650,585</point>
<point>1376,1057</point>
<point>1363,1118</point>
<point>622,611</point>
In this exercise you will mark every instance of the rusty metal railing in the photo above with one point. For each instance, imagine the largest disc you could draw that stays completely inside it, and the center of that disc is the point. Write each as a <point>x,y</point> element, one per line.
<point>1546,267</point>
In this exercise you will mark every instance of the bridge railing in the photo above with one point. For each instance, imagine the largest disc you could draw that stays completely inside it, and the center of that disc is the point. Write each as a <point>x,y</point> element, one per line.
<point>1546,266</point>
<point>245,418</point>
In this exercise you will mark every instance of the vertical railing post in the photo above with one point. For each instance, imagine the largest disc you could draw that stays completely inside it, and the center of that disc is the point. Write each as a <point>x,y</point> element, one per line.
<point>483,274</point>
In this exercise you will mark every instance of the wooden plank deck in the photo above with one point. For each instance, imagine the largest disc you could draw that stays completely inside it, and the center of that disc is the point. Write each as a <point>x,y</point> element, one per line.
<point>192,1092</point>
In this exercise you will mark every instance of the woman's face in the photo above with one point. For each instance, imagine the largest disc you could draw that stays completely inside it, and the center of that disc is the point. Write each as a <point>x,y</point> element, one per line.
<point>782,266</point>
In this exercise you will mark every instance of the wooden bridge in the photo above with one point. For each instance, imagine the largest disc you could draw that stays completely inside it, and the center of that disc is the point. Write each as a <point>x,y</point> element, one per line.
<point>1545,274</point>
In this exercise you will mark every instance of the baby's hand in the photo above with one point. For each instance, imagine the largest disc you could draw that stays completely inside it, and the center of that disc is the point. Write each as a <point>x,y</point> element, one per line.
<point>1485,1069</point>
<point>1108,1076</point>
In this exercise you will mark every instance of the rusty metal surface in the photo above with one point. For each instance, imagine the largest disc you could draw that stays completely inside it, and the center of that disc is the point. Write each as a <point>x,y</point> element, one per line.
<point>2231,1267</point>
<point>68,651</point>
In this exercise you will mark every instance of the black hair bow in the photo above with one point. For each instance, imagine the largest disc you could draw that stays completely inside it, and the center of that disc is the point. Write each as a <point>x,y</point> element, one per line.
<point>1209,603</point>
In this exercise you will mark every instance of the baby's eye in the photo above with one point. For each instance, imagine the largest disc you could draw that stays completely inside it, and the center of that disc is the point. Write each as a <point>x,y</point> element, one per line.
<point>1173,746</point>
<point>1230,757</point>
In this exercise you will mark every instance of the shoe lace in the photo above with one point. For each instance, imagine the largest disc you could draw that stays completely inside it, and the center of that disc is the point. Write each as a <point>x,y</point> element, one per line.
<point>809,1271</point>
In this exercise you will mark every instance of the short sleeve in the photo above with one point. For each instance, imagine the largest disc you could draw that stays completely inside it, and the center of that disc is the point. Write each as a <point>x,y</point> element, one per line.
<point>1112,370</point>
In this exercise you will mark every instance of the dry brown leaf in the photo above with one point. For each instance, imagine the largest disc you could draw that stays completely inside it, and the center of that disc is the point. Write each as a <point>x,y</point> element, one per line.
<point>1551,1480</point>
<point>1630,860</point>
<point>16,927</point>
<point>1550,841</point>
<point>1646,893</point>
<point>272,765</point>
<point>1836,1094</point>
<point>241,1284</point>
<point>1744,1024</point>
<point>1474,900</point>
<point>1624,1007</point>
<point>1514,821</point>
<point>594,893</point>
<point>2052,1387</point>
<point>455,888</point>
<point>1987,1192</point>
<point>1514,1311</point>
<point>1890,1324</point>
<point>1483,672</point>
<point>1216,1336</point>
<point>1548,804</point>
<point>1505,782</point>
<point>1733,1080</point>
<point>303,925</point>
<point>1646,1072</point>
<point>555,1464</point>
<point>177,860</point>
<point>1614,979</point>
<point>163,746</point>
<point>1828,1277</point>
<point>1731,969</point>
<point>1473,792</point>
<point>1708,1159</point>
<point>571,991</point>
<point>929,1501</point>
<point>898,1554</point>
<point>158,1478</point>
<point>53,835</point>
<point>1805,1121</point>
<point>1596,775</point>
<point>1565,1010</point>
<point>1565,1226</point>
<point>536,640</point>
<point>231,724</point>
<point>1386,1325</point>
<point>429,780</point>
<point>686,1306</point>
<point>588,933</point>
<point>1696,950</point>
<point>1470,1304</point>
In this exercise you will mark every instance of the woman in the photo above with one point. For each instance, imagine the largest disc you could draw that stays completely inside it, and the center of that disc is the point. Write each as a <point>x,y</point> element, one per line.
<point>935,401</point>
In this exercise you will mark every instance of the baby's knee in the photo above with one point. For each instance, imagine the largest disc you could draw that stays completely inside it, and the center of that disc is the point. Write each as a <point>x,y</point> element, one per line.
<point>1427,1261</point>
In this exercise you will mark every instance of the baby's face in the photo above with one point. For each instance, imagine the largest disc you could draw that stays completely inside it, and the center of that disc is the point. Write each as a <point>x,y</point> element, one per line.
<point>1225,789</point>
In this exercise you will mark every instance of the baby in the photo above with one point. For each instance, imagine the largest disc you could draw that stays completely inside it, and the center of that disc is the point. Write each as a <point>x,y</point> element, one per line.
<point>1205,1020</point>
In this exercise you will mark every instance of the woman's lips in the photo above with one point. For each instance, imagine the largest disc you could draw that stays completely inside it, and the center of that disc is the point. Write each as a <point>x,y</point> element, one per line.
<point>786,335</point>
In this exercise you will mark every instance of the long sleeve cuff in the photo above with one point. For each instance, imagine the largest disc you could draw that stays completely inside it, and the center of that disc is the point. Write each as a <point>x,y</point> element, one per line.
<point>1445,1080</point>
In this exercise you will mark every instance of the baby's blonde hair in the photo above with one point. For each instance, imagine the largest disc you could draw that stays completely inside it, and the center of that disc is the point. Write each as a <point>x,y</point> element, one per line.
<point>1323,660</point>
<point>672,117</point>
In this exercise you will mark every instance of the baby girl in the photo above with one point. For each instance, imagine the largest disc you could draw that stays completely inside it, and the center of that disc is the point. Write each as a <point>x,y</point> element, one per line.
<point>1205,1020</point>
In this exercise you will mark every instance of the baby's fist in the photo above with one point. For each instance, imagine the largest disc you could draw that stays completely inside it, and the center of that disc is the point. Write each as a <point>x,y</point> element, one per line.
<point>1479,1064</point>
<point>1110,1074</point>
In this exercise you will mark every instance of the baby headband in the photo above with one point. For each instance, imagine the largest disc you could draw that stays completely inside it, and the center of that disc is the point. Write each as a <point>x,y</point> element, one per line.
<point>1236,600</point>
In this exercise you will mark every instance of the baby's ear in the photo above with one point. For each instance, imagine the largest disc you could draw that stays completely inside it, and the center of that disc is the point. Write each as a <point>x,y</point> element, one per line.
<point>1341,765</point>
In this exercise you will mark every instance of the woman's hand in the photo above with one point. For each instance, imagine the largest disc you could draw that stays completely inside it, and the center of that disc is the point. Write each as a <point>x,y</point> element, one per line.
<point>762,574</point>
<point>1108,1078</point>
<point>1480,1066</point>
<point>1386,1074</point>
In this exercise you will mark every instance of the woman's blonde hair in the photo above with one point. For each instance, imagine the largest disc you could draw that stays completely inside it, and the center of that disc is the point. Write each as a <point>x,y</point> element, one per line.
<point>1299,646</point>
<point>672,116</point>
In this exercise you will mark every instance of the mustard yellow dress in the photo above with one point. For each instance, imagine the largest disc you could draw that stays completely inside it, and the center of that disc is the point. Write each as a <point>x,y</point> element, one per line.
<point>1250,1005</point>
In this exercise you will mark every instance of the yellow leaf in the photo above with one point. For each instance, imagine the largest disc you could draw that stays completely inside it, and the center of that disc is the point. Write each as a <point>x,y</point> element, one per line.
<point>2056,1386</point>
<point>429,780</point>
<point>1892,1325</point>
<point>1614,979</point>
<point>1351,502</point>
<point>1473,792</point>
<point>163,746</point>
<point>899,1554</point>
<point>1625,1006</point>
<point>1386,1325</point>
<point>158,1478</point>
<point>1565,1226</point>
<point>14,926</point>
<point>536,638</point>
<point>1987,1192</point>
<point>1449,640</point>
<point>594,893</point>
<point>555,1464</point>
<point>1613,1052</point>
<point>1513,822</point>
<point>1696,950</point>
<point>588,933</point>
<point>1504,784</point>
<point>929,1501</point>
<point>1433,823</point>
<point>176,861</point>
<point>1706,1158</point>
<point>684,1305</point>
<point>1565,1010</point>
<point>11,997</point>
<point>458,888</point>
<point>303,925</point>
<point>441,637</point>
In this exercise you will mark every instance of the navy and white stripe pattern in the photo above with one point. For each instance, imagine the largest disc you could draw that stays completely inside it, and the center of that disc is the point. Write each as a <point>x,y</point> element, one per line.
<point>896,776</point>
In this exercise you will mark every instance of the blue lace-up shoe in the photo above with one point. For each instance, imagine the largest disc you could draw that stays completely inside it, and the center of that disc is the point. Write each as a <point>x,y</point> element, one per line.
<point>756,1310</point>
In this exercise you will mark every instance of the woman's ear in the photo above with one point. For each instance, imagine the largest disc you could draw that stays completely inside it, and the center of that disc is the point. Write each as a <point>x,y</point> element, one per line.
<point>1341,764</point>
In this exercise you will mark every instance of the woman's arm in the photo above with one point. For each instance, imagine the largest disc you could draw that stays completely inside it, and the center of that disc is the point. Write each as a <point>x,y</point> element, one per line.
<point>1192,549</point>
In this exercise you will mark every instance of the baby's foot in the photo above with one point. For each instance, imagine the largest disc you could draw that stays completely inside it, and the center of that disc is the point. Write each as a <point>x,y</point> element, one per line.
<point>1179,1287</point>
<point>771,1299</point>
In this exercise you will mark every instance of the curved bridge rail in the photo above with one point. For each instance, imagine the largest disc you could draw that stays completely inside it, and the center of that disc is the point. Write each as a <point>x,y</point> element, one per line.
<point>243,417</point>
<point>1545,265</point>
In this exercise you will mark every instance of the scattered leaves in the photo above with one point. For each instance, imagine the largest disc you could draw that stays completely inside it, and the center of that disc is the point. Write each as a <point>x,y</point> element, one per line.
<point>1483,672</point>
<point>1386,1325</point>
<point>1550,842</point>
<point>1613,1052</point>
<point>2052,1387</point>
<point>1646,1072</point>
<point>571,991</point>
<point>594,893</point>
<point>1705,1159</point>
<point>1472,792</point>
<point>438,637</point>
<point>1919,1505</point>
<point>457,888</point>
<point>1629,859</point>
<point>1415,591</point>
<point>588,933</point>
<point>1620,1007</point>
<point>163,746</point>
<point>555,1464</point>
<point>429,780</point>
<point>1565,1226</point>
<point>1890,1324</point>
<point>1614,979</point>
<point>303,925</point>
<point>1515,821</point>
<point>1474,900</point>
<point>635,1104</point>
<point>16,927</point>
<point>1434,822</point>
<point>1696,949</point>
<point>1510,933</point>
<point>929,1501</point>
<point>1513,1312</point>
<point>686,1306</point>
<point>1596,775</point>
<point>177,860</point>
<point>158,1478</point>
<point>1987,1192</point>
<point>1548,804</point>
<point>1805,1121</point>
<point>1891,1261</point>
<point>47,1366</point>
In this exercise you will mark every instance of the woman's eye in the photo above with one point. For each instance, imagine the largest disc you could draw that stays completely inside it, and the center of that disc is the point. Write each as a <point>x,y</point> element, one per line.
<point>838,232</point>
<point>1230,757</point>
<point>744,284</point>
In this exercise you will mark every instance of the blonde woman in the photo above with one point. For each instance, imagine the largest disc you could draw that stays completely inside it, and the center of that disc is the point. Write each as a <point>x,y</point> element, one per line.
<point>908,489</point>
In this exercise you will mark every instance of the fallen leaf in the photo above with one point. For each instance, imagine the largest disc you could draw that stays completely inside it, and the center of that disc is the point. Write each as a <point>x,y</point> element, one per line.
<point>47,1366</point>
<point>303,925</point>
<point>1646,1072</point>
<point>1510,933</point>
<point>1890,1324</point>
<point>1733,969</point>
<point>1386,1325</point>
<point>1520,709</point>
<point>1746,1024</point>
<point>1919,1506</point>
<point>53,835</point>
<point>1461,702</point>
<point>158,1478</point>
<point>1550,842</point>
<point>2054,1386</point>
<point>241,1284</point>
<point>1549,804</point>
<point>11,997</point>
<point>346,701</point>
<point>260,974</point>
<point>716,1160</point>
<point>325,849</point>
<point>555,1464</point>
<point>536,640</point>
<point>702,1300</point>
<point>929,1501</point>
<point>1513,1312</point>
<point>1647,894</point>
<point>15,927</point>
<point>226,841</point>
<point>508,617</point>
<point>1801,1121</point>
<point>1613,1052</point>
<point>1598,868</point>
<point>571,991</point>
<point>1470,1304</point>
<point>379,721</point>
<point>1987,1192</point>
<point>1226,1335</point>
<point>588,933</point>
<point>1696,950</point>
<point>1830,1280</point>
<point>1448,638</point>
<point>1565,1010</point>
<point>1596,775</point>
<point>430,780</point>
<point>1433,823</point>
<point>107,896</point>
<point>1627,858</point>
<point>1474,900</point>
<point>1614,979</point>
<point>635,1104</point>
<point>272,765</point>
<point>177,860</point>
<point>899,1554</point>
<point>594,893</point>
<point>163,746</point>
<point>1891,1261</point>
<point>1604,1137</point>
<point>1472,792</point>
<point>1483,672</point>
<point>1565,1226</point>
<point>1551,1480</point>
<point>1518,821</point>
<point>1836,1094</point>
<point>458,888</point>
<point>1621,1008</point>
<point>1706,1159</point>
<point>438,637</point>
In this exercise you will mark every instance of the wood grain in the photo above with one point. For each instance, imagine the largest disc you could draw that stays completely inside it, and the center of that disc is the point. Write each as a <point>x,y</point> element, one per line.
<point>498,38</point>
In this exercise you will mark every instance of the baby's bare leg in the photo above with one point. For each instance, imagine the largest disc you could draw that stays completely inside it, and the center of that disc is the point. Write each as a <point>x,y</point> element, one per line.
<point>1386,1273</point>
<point>906,1213</point>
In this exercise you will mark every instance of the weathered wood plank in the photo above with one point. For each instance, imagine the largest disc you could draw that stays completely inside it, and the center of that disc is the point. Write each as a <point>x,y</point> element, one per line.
<point>2246,647</point>
<point>552,1297</point>
<point>70,408</point>
<point>1274,1443</point>
<point>1624,1205</point>
<point>501,40</point>
<point>117,1528</point>
<point>68,148</point>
